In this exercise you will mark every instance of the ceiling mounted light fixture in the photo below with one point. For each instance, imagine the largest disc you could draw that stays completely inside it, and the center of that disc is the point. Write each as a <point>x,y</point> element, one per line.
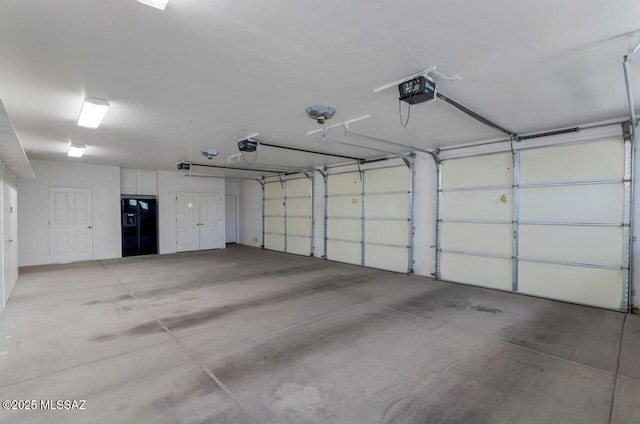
<point>76,150</point>
<point>158,4</point>
<point>93,112</point>
<point>320,113</point>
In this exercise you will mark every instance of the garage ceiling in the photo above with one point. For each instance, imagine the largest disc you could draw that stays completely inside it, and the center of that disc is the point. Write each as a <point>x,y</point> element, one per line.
<point>234,68</point>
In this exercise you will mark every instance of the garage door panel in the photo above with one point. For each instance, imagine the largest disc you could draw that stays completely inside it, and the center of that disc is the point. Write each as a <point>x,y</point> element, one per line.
<point>580,162</point>
<point>591,286</point>
<point>485,238</point>
<point>272,190</point>
<point>298,226</point>
<point>299,245</point>
<point>274,225</point>
<point>579,203</point>
<point>481,204</point>
<point>299,187</point>
<point>274,207</point>
<point>281,231</point>
<point>477,270</point>
<point>600,245</point>
<point>571,239</point>
<point>345,206</point>
<point>344,184</point>
<point>344,252</point>
<point>387,179</point>
<point>392,232</point>
<point>299,207</point>
<point>389,258</point>
<point>347,229</point>
<point>387,206</point>
<point>274,242</point>
<point>478,171</point>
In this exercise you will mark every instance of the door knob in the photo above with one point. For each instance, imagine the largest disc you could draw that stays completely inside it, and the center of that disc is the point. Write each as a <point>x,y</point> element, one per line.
<point>89,227</point>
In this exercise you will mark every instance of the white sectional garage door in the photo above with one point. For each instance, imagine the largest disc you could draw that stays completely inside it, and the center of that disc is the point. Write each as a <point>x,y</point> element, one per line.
<point>477,221</point>
<point>550,222</point>
<point>368,218</point>
<point>287,216</point>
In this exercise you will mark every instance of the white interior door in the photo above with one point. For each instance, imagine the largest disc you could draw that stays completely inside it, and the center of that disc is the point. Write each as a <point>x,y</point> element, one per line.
<point>230,221</point>
<point>210,221</point>
<point>188,234</point>
<point>70,224</point>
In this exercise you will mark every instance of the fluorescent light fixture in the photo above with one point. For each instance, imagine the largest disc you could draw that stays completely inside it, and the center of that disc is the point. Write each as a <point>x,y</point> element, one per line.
<point>76,150</point>
<point>92,113</point>
<point>158,4</point>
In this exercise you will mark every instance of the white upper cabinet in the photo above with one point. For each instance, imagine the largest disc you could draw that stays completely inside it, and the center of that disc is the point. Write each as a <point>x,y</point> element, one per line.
<point>138,181</point>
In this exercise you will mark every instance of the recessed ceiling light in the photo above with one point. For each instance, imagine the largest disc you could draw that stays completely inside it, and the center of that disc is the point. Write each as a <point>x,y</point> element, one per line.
<point>76,150</point>
<point>158,4</point>
<point>92,113</point>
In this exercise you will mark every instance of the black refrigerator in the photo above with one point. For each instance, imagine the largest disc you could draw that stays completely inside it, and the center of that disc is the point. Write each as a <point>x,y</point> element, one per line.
<point>139,226</point>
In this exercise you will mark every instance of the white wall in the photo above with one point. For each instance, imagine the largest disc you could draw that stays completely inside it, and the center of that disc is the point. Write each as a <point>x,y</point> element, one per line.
<point>232,188</point>
<point>635,277</point>
<point>32,195</point>
<point>169,183</point>
<point>9,233</point>
<point>318,215</point>
<point>424,202</point>
<point>5,291</point>
<point>250,208</point>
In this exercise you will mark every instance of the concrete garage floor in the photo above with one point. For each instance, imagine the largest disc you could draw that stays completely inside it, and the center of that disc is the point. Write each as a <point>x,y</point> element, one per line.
<point>244,335</point>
